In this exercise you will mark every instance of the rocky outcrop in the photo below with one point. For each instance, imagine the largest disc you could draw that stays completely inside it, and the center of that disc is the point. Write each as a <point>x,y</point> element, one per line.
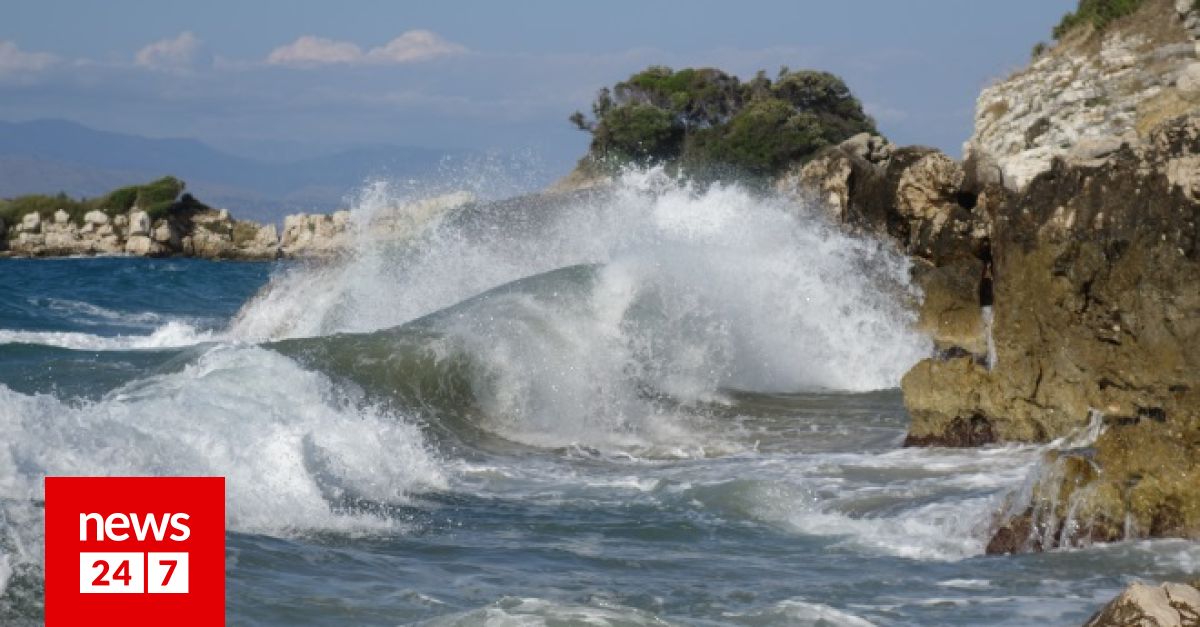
<point>917,197</point>
<point>316,234</point>
<point>1093,92</point>
<point>1088,225</point>
<point>208,233</point>
<point>1140,605</point>
<point>214,234</point>
<point>1097,313</point>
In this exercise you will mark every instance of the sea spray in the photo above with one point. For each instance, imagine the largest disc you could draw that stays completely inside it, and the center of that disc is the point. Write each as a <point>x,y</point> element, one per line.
<point>684,294</point>
<point>299,455</point>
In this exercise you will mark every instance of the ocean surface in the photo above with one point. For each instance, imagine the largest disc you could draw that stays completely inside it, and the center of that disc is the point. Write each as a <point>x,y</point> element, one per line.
<point>646,406</point>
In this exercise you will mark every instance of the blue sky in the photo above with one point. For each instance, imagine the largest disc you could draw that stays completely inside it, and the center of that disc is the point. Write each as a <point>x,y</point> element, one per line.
<point>285,78</point>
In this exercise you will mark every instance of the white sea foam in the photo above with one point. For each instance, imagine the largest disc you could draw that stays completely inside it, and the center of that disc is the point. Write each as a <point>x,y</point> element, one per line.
<point>173,334</point>
<point>799,612</point>
<point>293,451</point>
<point>513,611</point>
<point>697,291</point>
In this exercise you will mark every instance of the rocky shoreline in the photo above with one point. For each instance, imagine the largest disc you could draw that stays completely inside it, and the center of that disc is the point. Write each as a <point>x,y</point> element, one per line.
<point>1080,195</point>
<point>207,233</point>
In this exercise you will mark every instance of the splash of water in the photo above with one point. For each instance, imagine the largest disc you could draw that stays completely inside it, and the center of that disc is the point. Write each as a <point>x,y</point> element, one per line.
<point>693,292</point>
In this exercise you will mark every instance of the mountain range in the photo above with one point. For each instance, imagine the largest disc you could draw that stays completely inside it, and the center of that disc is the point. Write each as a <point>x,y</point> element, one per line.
<point>51,156</point>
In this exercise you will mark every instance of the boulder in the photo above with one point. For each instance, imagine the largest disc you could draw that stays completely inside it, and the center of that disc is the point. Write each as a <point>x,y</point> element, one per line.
<point>31,223</point>
<point>95,217</point>
<point>61,217</point>
<point>139,223</point>
<point>1140,605</point>
<point>140,245</point>
<point>163,233</point>
<point>917,196</point>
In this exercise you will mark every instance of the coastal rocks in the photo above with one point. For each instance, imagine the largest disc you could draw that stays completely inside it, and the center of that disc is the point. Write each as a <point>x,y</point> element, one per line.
<point>139,223</point>
<point>1088,95</point>
<point>1140,605</point>
<point>1097,313</point>
<point>190,229</point>
<point>922,200</point>
<point>216,235</point>
<point>142,245</point>
<point>320,235</point>
<point>914,195</point>
<point>30,223</point>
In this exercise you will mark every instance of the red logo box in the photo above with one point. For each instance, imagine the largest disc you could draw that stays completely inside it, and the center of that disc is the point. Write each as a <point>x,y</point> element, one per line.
<point>135,551</point>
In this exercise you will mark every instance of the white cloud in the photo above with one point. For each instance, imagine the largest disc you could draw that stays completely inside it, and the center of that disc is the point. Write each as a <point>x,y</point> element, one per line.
<point>170,54</point>
<point>310,51</point>
<point>15,61</point>
<point>410,47</point>
<point>414,46</point>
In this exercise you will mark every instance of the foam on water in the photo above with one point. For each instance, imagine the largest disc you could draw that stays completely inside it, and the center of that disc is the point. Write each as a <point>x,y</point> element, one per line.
<point>696,292</point>
<point>514,612</point>
<point>297,455</point>
<point>172,334</point>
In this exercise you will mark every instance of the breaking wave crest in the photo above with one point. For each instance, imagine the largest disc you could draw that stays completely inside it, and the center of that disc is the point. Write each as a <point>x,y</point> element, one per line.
<point>591,318</point>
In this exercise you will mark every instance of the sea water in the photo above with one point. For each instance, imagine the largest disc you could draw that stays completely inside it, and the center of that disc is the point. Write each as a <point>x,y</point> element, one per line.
<point>650,404</point>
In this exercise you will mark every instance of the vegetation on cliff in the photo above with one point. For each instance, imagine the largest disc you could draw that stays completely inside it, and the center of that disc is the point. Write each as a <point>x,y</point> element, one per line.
<point>1097,13</point>
<point>158,198</point>
<point>709,123</point>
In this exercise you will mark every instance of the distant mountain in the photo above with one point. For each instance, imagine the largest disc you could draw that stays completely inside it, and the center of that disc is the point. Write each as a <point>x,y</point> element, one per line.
<point>49,156</point>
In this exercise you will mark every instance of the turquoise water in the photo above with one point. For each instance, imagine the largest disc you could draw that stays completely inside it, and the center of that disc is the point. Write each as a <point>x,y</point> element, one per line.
<point>619,411</point>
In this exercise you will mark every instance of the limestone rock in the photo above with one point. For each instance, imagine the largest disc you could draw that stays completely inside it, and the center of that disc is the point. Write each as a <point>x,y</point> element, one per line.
<point>162,232</point>
<point>31,223</point>
<point>139,223</point>
<point>61,217</point>
<point>95,217</point>
<point>139,245</point>
<point>1168,605</point>
<point>1097,309</point>
<point>950,313</point>
<point>918,196</point>
<point>1110,86</point>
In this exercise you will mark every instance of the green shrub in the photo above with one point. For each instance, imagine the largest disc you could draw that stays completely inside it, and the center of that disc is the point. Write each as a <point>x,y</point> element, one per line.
<point>709,123</point>
<point>157,198</point>
<point>759,141</point>
<point>1098,13</point>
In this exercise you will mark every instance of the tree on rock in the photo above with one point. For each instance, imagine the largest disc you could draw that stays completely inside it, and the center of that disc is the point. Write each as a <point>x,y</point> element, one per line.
<point>710,124</point>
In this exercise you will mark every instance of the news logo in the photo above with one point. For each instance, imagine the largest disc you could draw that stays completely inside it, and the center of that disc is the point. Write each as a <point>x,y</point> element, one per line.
<point>135,551</point>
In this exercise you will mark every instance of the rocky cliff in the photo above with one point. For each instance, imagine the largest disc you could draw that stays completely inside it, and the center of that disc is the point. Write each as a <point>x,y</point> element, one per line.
<point>1079,198</point>
<point>1092,92</point>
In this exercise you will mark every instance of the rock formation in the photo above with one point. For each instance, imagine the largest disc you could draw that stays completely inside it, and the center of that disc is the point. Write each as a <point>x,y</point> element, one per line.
<point>211,233</point>
<point>1085,199</point>
<point>1168,605</point>
<point>915,196</point>
<point>1081,100</point>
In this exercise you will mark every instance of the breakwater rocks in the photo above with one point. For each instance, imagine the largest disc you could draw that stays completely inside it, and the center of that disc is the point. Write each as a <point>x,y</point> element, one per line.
<point>211,233</point>
<point>1086,230</point>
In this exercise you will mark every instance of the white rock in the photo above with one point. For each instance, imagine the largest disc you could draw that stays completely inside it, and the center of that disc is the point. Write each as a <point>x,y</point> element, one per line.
<point>61,217</point>
<point>162,233</point>
<point>31,222</point>
<point>1188,82</point>
<point>95,217</point>
<point>139,245</point>
<point>139,223</point>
